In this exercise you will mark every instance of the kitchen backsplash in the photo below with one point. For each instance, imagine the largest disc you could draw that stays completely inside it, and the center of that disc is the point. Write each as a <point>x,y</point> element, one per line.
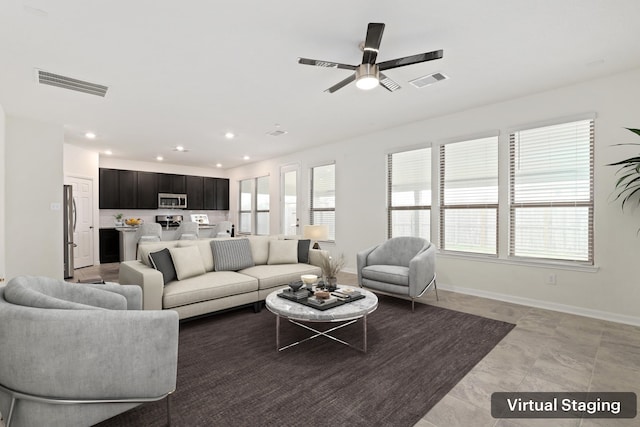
<point>107,216</point>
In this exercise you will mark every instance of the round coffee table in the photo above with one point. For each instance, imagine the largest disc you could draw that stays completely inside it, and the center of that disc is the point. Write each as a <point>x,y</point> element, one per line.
<point>345,314</point>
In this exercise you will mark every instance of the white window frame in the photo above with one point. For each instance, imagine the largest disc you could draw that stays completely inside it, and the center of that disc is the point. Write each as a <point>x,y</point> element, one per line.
<point>417,208</point>
<point>255,204</point>
<point>254,211</point>
<point>312,209</point>
<point>514,206</point>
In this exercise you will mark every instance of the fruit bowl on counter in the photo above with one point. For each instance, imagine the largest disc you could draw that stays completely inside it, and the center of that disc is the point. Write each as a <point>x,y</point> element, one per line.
<point>133,221</point>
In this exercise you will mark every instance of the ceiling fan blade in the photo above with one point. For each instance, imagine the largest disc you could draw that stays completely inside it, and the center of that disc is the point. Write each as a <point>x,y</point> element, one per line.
<point>327,64</point>
<point>408,60</point>
<point>342,84</point>
<point>372,43</point>
<point>388,84</point>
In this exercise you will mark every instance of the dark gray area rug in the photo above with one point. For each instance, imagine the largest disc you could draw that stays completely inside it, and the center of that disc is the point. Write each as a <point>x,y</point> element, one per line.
<point>229,373</point>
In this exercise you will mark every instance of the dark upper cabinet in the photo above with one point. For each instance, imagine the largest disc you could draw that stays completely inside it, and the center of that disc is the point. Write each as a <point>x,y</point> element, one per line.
<point>147,190</point>
<point>128,187</point>
<point>222,194</point>
<point>195,192</point>
<point>171,183</point>
<point>209,193</point>
<point>109,194</point>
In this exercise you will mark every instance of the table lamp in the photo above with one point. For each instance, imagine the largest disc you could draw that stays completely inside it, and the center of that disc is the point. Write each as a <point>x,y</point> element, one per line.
<point>315,233</point>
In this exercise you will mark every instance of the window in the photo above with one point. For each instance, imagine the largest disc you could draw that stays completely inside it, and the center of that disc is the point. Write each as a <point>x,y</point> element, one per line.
<point>262,205</point>
<point>254,205</point>
<point>469,196</point>
<point>551,192</point>
<point>323,198</point>
<point>409,193</point>
<point>246,187</point>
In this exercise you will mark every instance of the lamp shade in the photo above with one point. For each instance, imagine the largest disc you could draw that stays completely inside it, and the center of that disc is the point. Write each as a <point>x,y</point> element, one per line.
<point>315,232</point>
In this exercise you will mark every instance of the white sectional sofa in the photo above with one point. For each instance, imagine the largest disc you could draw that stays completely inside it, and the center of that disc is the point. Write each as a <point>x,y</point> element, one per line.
<point>218,273</point>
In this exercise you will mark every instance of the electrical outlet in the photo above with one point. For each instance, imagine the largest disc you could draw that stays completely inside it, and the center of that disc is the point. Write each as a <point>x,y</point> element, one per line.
<point>551,279</point>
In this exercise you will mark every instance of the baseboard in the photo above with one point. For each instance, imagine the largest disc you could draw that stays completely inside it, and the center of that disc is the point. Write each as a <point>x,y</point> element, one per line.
<point>530,302</point>
<point>547,305</point>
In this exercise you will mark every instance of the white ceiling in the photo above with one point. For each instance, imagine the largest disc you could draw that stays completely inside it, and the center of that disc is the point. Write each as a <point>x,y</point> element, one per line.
<point>187,72</point>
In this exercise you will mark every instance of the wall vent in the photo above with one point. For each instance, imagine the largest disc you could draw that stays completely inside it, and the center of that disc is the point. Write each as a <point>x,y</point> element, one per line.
<point>423,81</point>
<point>52,79</point>
<point>277,132</point>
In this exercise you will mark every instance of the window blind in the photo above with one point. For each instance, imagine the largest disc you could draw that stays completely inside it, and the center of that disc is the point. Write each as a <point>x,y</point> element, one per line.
<point>469,196</point>
<point>551,192</point>
<point>323,197</point>
<point>262,205</point>
<point>409,193</point>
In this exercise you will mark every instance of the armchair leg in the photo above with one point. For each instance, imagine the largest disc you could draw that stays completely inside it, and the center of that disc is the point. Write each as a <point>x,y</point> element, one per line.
<point>169,409</point>
<point>435,286</point>
<point>413,304</point>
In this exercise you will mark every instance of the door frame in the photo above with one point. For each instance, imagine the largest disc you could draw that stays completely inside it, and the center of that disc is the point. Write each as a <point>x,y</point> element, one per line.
<point>95,250</point>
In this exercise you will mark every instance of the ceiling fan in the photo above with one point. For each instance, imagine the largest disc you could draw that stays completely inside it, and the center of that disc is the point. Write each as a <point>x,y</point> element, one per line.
<point>368,75</point>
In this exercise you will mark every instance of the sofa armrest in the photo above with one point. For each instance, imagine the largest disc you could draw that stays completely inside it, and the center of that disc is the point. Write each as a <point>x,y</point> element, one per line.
<point>422,268</point>
<point>133,294</point>
<point>361,261</point>
<point>315,256</point>
<point>149,279</point>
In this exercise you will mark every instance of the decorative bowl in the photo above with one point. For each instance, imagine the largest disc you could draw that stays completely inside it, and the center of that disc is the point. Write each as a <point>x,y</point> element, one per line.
<point>322,294</point>
<point>309,279</point>
<point>295,286</point>
<point>133,221</point>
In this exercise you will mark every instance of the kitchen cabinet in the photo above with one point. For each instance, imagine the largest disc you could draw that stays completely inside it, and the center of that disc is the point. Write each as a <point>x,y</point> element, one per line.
<point>222,194</point>
<point>171,183</point>
<point>128,188</point>
<point>195,192</point>
<point>147,190</point>
<point>108,183</point>
<point>216,194</point>
<point>109,245</point>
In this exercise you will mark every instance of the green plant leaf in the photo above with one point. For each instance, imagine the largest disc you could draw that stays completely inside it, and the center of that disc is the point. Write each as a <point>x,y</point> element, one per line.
<point>636,131</point>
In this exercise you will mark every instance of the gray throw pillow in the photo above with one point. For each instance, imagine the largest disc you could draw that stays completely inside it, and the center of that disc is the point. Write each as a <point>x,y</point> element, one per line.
<point>162,261</point>
<point>231,254</point>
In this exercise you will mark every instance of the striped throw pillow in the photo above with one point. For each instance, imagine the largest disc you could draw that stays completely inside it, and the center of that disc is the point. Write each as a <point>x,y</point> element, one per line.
<point>231,254</point>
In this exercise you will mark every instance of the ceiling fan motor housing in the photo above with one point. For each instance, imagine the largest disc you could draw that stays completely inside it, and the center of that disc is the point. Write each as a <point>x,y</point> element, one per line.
<point>367,76</point>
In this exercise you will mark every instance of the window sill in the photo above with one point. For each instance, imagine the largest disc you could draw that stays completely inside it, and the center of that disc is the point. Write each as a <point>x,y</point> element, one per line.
<point>558,265</point>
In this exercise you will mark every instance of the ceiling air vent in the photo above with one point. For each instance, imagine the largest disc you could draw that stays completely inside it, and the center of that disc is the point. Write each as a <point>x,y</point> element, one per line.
<point>277,132</point>
<point>51,79</point>
<point>423,81</point>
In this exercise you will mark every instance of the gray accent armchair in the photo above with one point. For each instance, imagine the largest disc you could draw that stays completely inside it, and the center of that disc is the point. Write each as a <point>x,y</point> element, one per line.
<point>76,354</point>
<point>401,265</point>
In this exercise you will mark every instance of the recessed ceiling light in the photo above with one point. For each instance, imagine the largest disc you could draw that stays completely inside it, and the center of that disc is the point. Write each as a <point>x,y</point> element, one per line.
<point>218,165</point>
<point>179,148</point>
<point>159,158</point>
<point>229,135</point>
<point>246,158</point>
<point>90,135</point>
<point>108,152</point>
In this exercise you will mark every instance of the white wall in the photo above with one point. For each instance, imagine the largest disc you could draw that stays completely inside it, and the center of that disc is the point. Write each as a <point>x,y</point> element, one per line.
<point>34,179</point>
<point>79,162</point>
<point>2,193</point>
<point>611,290</point>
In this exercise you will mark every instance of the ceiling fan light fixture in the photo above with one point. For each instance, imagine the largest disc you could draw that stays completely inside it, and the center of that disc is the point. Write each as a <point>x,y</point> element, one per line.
<point>367,76</point>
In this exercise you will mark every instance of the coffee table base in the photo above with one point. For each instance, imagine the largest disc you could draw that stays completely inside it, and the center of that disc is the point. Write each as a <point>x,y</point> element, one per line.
<point>323,333</point>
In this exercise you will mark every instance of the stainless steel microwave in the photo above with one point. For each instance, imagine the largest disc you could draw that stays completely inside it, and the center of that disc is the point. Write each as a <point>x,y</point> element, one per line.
<point>172,201</point>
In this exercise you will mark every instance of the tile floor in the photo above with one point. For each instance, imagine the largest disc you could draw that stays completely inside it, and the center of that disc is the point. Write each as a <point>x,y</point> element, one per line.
<point>546,351</point>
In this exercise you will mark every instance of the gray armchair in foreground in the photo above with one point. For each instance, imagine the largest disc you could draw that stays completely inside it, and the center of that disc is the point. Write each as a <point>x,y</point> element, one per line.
<point>75,354</point>
<point>401,265</point>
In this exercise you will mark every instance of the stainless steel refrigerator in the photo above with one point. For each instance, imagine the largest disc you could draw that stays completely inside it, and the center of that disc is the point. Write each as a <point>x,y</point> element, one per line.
<point>69,214</point>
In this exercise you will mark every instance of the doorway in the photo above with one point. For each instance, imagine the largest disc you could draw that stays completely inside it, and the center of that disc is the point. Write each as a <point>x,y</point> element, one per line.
<point>289,180</point>
<point>83,233</point>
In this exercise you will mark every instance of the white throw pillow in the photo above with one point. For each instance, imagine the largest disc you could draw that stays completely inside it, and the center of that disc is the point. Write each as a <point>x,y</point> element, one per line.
<point>260,248</point>
<point>187,262</point>
<point>283,252</point>
<point>205,251</point>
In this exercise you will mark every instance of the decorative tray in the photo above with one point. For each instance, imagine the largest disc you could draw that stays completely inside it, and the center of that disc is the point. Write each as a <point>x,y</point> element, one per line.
<point>310,301</point>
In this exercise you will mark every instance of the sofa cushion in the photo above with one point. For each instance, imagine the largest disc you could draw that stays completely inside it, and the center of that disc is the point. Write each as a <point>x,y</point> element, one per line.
<point>163,262</point>
<point>45,292</point>
<point>204,245</point>
<point>145,248</point>
<point>260,248</point>
<point>395,274</point>
<point>231,254</point>
<point>187,262</point>
<point>283,252</point>
<point>271,276</point>
<point>207,287</point>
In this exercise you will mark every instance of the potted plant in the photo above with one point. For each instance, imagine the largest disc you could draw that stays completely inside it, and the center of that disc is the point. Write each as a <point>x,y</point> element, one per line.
<point>330,268</point>
<point>628,184</point>
<point>118,218</point>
